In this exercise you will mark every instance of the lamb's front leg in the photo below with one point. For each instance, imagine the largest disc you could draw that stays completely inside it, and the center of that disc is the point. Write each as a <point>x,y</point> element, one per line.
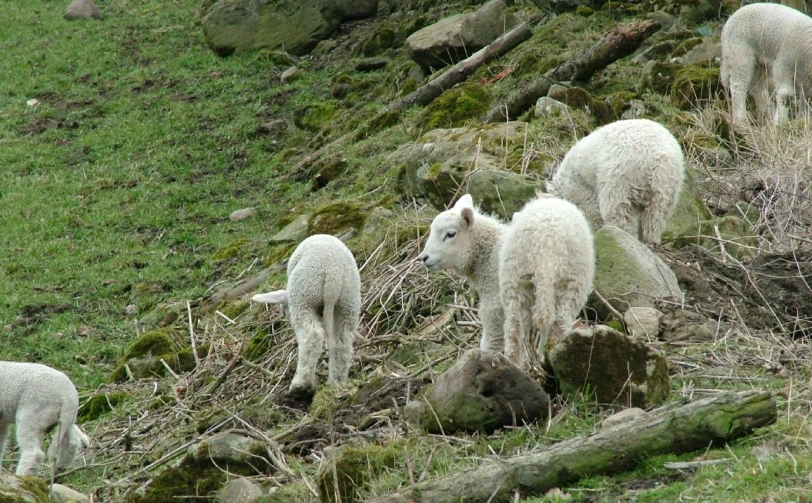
<point>29,440</point>
<point>493,319</point>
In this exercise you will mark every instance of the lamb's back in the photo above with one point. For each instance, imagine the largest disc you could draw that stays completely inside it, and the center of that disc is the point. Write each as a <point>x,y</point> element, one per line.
<point>318,260</point>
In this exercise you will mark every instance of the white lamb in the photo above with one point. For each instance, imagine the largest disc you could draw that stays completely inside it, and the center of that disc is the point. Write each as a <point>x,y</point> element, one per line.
<point>766,51</point>
<point>544,258</point>
<point>36,398</point>
<point>628,173</point>
<point>468,242</point>
<point>546,271</point>
<point>322,302</point>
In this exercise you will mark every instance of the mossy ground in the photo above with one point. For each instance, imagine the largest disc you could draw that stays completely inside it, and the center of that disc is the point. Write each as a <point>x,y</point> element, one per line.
<point>117,188</point>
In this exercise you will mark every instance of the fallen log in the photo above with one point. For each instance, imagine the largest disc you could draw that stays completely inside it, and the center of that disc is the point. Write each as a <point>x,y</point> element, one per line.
<point>615,45</point>
<point>465,68</point>
<point>674,429</point>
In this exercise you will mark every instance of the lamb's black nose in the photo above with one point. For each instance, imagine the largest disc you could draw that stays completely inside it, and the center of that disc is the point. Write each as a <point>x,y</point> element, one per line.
<point>423,257</point>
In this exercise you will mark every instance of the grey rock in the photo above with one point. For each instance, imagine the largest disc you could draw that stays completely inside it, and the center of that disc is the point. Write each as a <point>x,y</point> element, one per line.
<point>457,37</point>
<point>547,106</point>
<point>291,74</point>
<point>64,494</point>
<point>83,9</point>
<point>616,368</point>
<point>628,273</point>
<point>239,491</point>
<point>709,51</point>
<point>295,26</point>
<point>558,88</point>
<point>684,325</point>
<point>643,322</point>
<point>637,109</point>
<point>226,447</point>
<point>377,219</point>
<point>501,192</point>
<point>294,231</point>
<point>482,392</point>
<point>242,214</point>
<point>369,64</point>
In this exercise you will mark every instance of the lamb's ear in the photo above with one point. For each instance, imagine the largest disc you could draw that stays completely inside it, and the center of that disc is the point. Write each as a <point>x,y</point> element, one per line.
<point>467,215</point>
<point>466,201</point>
<point>277,297</point>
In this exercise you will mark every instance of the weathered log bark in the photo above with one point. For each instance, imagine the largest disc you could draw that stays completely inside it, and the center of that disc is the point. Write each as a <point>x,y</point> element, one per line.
<point>709,421</point>
<point>465,68</point>
<point>617,44</point>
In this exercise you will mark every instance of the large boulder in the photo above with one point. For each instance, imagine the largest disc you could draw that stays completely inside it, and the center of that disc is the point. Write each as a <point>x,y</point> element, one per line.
<point>731,232</point>
<point>690,209</point>
<point>457,37</point>
<point>295,26</point>
<point>482,392</point>
<point>628,274</point>
<point>617,369</point>
<point>239,491</point>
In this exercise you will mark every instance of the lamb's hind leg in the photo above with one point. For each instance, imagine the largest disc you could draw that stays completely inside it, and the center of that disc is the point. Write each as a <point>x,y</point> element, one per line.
<point>310,343</point>
<point>346,326</point>
<point>784,77</point>
<point>517,327</point>
<point>4,427</point>
<point>738,66</point>
<point>29,440</point>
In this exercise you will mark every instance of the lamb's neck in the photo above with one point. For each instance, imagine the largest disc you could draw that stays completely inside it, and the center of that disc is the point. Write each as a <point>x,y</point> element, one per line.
<point>483,270</point>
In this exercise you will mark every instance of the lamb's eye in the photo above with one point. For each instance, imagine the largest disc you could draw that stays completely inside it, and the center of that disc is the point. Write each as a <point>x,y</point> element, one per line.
<point>450,234</point>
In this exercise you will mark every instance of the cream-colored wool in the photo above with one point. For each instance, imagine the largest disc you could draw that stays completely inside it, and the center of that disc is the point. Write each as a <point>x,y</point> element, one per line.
<point>36,398</point>
<point>322,302</point>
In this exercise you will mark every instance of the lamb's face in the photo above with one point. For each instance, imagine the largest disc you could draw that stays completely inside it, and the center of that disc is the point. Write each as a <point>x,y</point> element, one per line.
<point>449,240</point>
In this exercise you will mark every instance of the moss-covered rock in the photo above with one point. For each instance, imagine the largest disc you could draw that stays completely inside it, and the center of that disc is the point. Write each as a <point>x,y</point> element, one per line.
<point>378,123</point>
<point>481,392</point>
<point>659,76</point>
<point>350,469</point>
<point>230,250</point>
<point>383,38</point>
<point>628,274</point>
<point>501,192</point>
<point>615,368</point>
<point>15,489</point>
<point>315,116</point>
<point>695,86</point>
<point>336,218</point>
<point>690,209</point>
<point>580,99</point>
<point>146,356</point>
<point>98,405</point>
<point>455,107</point>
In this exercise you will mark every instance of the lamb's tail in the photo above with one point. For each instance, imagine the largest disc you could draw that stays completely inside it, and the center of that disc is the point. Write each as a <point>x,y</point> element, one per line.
<point>332,291</point>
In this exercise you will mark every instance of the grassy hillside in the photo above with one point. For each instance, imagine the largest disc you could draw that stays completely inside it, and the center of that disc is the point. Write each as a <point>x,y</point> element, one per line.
<point>126,144</point>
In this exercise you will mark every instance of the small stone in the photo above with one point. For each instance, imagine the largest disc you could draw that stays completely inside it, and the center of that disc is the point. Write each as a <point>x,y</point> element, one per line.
<point>58,335</point>
<point>8,327</point>
<point>83,9</point>
<point>369,64</point>
<point>239,491</point>
<point>637,109</point>
<point>290,75</point>
<point>622,417</point>
<point>241,214</point>
<point>547,106</point>
<point>131,309</point>
<point>32,102</point>
<point>643,322</point>
<point>294,231</point>
<point>377,218</point>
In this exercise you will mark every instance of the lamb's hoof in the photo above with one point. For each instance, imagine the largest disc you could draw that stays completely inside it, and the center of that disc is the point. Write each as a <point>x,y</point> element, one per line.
<point>301,391</point>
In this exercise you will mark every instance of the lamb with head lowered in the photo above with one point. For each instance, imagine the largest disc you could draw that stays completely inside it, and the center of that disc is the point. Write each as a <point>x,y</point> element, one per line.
<point>628,173</point>
<point>322,302</point>
<point>37,398</point>
<point>534,273</point>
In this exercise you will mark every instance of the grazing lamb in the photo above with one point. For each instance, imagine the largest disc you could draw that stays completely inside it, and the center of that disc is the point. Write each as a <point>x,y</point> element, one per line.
<point>627,173</point>
<point>36,398</point>
<point>546,270</point>
<point>767,49</point>
<point>466,241</point>
<point>322,302</point>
